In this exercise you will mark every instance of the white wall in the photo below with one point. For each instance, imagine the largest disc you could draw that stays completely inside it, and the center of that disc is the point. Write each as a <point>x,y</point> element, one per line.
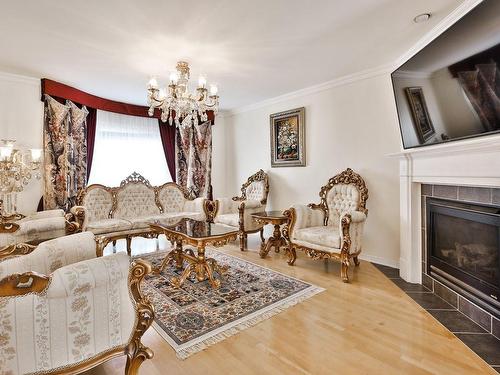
<point>353,125</point>
<point>219,156</point>
<point>21,118</point>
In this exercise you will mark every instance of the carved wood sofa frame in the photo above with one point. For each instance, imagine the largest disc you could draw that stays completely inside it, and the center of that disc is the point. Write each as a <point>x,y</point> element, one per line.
<point>135,178</point>
<point>344,256</point>
<point>36,283</point>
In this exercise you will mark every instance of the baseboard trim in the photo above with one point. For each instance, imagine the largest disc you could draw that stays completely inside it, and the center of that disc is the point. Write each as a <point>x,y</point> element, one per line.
<point>379,260</point>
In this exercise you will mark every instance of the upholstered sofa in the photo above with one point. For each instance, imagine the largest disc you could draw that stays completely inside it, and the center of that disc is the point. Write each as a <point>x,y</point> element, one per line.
<point>36,227</point>
<point>236,212</point>
<point>126,211</point>
<point>332,229</point>
<point>64,311</point>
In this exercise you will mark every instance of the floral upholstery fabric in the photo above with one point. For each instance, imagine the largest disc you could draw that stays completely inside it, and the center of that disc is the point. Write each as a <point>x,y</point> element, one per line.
<point>44,215</point>
<point>307,217</point>
<point>85,311</point>
<point>171,198</point>
<point>135,200</point>
<point>255,191</point>
<point>341,198</point>
<point>168,218</point>
<point>322,235</point>
<point>196,206</point>
<point>35,230</point>
<point>233,219</point>
<point>51,255</point>
<point>228,219</point>
<point>227,206</point>
<point>98,203</point>
<point>107,225</point>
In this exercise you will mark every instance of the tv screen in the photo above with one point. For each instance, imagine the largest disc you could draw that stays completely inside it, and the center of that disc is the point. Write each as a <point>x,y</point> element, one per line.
<point>450,90</point>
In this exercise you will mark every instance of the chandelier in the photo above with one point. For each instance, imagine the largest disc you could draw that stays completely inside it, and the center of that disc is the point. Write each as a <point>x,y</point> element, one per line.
<point>17,167</point>
<point>177,98</point>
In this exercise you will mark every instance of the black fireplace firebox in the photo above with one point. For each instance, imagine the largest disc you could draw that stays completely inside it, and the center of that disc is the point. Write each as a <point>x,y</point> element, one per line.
<point>463,249</point>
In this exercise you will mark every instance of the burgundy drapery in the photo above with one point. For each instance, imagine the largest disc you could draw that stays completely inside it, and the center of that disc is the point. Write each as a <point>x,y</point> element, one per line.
<point>93,103</point>
<point>167,134</point>
<point>91,125</point>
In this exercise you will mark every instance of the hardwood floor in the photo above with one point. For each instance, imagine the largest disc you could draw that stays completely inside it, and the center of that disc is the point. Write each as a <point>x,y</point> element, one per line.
<point>369,326</point>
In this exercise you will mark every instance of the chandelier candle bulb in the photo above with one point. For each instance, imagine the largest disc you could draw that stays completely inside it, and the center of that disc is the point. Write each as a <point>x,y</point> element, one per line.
<point>202,82</point>
<point>174,77</point>
<point>179,100</point>
<point>5,153</point>
<point>36,154</point>
<point>153,83</point>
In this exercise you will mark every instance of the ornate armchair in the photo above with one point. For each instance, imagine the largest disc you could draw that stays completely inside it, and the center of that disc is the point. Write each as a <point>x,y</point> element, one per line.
<point>236,211</point>
<point>333,228</point>
<point>37,227</point>
<point>64,311</point>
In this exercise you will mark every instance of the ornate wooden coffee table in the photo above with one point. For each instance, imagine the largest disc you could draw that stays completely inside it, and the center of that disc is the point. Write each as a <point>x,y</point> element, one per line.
<point>198,234</point>
<point>277,219</point>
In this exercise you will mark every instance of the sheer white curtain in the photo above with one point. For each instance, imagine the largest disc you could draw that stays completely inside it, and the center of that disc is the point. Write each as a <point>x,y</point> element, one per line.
<point>126,144</point>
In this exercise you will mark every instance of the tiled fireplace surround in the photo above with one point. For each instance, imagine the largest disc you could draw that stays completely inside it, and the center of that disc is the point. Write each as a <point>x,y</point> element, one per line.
<point>464,194</point>
<point>467,171</point>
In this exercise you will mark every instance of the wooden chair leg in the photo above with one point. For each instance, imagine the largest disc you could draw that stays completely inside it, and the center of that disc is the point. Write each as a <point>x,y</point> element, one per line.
<point>344,268</point>
<point>356,261</point>
<point>242,241</point>
<point>262,235</point>
<point>292,255</point>
<point>129,246</point>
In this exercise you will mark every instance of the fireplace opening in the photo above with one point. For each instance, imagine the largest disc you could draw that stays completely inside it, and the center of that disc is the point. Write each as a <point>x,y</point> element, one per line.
<point>463,249</point>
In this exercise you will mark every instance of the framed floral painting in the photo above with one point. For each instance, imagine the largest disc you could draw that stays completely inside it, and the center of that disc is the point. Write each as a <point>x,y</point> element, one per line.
<point>288,146</point>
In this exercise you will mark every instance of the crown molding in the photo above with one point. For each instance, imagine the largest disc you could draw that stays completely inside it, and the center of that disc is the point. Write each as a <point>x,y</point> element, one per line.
<point>437,30</point>
<point>4,76</point>
<point>344,80</point>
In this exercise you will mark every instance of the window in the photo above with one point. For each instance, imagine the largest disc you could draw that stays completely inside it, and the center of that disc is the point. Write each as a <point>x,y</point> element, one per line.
<point>126,144</point>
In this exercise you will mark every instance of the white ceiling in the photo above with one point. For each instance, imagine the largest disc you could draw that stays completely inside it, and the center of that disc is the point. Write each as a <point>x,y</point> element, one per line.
<point>476,32</point>
<point>253,50</point>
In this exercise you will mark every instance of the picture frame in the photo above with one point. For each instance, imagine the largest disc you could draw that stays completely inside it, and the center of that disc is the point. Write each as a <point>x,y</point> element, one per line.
<point>288,145</point>
<point>420,114</point>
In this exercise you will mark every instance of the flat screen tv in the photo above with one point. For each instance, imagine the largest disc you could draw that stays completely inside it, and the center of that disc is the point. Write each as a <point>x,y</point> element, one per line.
<point>450,90</point>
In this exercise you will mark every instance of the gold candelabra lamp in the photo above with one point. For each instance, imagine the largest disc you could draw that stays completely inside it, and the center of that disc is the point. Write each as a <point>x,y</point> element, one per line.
<point>17,168</point>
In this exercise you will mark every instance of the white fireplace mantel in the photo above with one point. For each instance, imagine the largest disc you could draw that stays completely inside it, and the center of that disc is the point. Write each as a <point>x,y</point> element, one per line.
<point>472,162</point>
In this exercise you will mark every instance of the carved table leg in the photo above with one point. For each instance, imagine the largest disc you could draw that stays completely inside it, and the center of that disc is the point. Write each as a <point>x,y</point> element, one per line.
<point>203,268</point>
<point>173,256</point>
<point>275,241</point>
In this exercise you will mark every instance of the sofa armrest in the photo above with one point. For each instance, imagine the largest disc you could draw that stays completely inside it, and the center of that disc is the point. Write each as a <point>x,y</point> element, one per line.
<point>76,219</point>
<point>51,255</point>
<point>252,203</point>
<point>195,205</point>
<point>227,206</point>
<point>351,227</point>
<point>306,216</point>
<point>44,215</point>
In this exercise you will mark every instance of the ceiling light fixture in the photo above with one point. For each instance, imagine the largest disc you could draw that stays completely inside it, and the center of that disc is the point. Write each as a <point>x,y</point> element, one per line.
<point>422,18</point>
<point>176,100</point>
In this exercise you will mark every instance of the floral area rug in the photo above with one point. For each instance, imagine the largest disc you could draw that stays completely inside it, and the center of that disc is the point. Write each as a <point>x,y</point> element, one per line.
<point>196,316</point>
